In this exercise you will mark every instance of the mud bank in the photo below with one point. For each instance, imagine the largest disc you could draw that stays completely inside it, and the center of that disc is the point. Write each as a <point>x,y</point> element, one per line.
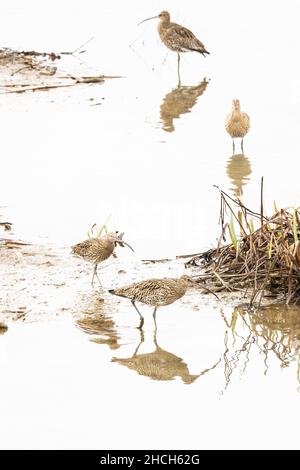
<point>41,282</point>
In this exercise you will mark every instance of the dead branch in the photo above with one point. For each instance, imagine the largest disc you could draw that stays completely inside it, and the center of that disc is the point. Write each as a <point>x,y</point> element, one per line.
<point>17,88</point>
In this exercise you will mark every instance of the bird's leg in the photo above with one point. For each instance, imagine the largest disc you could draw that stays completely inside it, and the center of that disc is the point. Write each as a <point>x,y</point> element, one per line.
<point>242,145</point>
<point>233,146</point>
<point>178,69</point>
<point>154,318</point>
<point>141,316</point>
<point>95,273</point>
<point>142,339</point>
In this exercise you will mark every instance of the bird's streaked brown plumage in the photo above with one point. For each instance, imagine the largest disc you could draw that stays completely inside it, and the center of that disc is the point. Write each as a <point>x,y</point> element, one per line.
<point>237,123</point>
<point>154,292</point>
<point>177,38</point>
<point>97,250</point>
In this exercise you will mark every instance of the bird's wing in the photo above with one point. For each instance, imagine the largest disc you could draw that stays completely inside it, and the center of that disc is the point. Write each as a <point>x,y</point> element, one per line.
<point>152,284</point>
<point>228,120</point>
<point>246,119</point>
<point>181,31</point>
<point>183,37</point>
<point>149,285</point>
<point>81,245</point>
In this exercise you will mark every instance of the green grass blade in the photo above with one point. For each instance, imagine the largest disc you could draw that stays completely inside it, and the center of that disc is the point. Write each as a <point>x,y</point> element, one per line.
<point>270,247</point>
<point>295,225</point>
<point>232,233</point>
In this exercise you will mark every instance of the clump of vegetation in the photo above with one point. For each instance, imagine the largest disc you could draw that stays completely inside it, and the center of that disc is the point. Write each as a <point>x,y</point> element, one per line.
<point>263,256</point>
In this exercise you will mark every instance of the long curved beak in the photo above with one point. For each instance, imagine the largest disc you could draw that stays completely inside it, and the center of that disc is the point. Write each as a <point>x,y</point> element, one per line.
<point>147,19</point>
<point>122,243</point>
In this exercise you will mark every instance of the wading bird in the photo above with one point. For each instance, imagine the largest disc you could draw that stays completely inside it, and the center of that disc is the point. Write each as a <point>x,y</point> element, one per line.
<point>154,292</point>
<point>97,250</point>
<point>237,123</point>
<point>177,38</point>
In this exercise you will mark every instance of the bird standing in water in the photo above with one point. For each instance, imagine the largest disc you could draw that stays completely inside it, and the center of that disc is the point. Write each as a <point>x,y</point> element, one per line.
<point>97,250</point>
<point>237,123</point>
<point>154,292</point>
<point>177,38</point>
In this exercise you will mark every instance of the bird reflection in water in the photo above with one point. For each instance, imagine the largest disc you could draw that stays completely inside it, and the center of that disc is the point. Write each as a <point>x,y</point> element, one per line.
<point>97,323</point>
<point>180,101</point>
<point>238,170</point>
<point>274,330</point>
<point>159,364</point>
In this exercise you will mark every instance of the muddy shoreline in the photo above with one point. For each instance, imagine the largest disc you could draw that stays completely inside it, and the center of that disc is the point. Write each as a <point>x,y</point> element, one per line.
<point>40,282</point>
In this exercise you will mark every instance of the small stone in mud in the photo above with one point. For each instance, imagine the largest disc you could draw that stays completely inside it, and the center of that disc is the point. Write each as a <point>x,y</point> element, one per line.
<point>122,271</point>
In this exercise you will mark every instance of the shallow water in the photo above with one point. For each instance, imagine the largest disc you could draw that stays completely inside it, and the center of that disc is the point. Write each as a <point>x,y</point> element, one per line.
<point>98,383</point>
<point>70,164</point>
<point>148,153</point>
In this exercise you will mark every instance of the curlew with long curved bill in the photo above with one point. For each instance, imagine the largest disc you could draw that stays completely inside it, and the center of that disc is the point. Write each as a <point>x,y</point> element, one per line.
<point>177,38</point>
<point>97,250</point>
<point>154,292</point>
<point>237,123</point>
